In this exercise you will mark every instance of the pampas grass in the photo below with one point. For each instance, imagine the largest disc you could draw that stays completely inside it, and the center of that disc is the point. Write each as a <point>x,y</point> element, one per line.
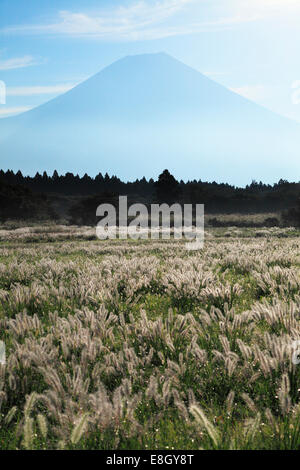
<point>122,345</point>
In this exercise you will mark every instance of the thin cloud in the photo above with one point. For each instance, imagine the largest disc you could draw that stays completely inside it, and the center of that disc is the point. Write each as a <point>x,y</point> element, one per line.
<point>17,63</point>
<point>129,25</point>
<point>139,21</point>
<point>39,90</point>
<point>121,22</point>
<point>145,20</point>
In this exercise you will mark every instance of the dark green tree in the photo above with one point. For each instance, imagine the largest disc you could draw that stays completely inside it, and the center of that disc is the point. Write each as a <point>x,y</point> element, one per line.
<point>292,216</point>
<point>167,188</point>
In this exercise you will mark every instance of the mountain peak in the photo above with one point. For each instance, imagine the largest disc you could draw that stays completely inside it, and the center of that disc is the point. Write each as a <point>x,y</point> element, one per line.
<point>149,111</point>
<point>148,55</point>
<point>143,60</point>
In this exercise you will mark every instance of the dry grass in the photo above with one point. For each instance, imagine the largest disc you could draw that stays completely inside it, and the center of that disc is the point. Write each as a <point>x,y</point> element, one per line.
<point>135,345</point>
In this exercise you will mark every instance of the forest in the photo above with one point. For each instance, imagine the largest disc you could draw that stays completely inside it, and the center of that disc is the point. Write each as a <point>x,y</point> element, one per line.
<point>75,198</point>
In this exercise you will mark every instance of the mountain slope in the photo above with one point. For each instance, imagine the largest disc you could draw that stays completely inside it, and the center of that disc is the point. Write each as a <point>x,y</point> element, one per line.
<point>146,113</point>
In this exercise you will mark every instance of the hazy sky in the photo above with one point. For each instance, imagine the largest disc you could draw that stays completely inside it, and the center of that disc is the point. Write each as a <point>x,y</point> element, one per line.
<point>251,46</point>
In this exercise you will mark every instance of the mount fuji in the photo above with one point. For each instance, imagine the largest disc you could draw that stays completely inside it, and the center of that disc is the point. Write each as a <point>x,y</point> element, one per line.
<point>149,112</point>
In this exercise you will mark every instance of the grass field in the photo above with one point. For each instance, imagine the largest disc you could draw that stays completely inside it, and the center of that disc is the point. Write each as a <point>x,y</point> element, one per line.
<point>145,345</point>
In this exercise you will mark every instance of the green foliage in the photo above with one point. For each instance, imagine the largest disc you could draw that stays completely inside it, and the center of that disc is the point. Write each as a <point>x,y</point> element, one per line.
<point>136,345</point>
<point>18,202</point>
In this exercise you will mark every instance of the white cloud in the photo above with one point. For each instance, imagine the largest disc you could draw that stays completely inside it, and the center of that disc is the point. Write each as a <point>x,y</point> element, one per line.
<point>5,112</point>
<point>132,22</point>
<point>39,90</point>
<point>17,63</point>
<point>141,20</point>
<point>146,20</point>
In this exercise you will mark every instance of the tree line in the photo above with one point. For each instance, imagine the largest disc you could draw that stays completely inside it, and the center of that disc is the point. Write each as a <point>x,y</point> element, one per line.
<point>256,197</point>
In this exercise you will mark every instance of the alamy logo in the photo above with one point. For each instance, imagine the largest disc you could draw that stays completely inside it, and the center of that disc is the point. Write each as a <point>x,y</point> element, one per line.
<point>163,221</point>
<point>2,353</point>
<point>2,92</point>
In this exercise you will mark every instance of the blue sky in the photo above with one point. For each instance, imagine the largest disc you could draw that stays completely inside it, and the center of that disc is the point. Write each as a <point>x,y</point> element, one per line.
<point>250,46</point>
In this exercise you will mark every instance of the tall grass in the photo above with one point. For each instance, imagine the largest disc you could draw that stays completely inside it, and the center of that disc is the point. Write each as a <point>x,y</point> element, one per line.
<point>144,345</point>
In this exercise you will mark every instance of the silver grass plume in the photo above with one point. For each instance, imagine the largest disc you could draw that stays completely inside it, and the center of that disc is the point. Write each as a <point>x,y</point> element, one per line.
<point>199,415</point>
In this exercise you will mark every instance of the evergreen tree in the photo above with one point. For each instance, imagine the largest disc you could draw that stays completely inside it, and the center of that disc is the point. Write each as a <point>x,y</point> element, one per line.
<point>167,188</point>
